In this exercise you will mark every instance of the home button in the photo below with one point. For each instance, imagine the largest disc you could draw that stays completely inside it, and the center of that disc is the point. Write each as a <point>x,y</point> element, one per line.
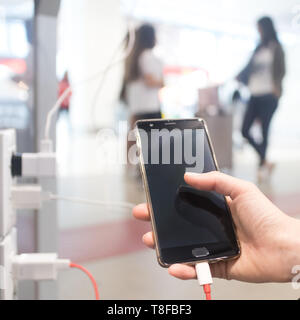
<point>200,252</point>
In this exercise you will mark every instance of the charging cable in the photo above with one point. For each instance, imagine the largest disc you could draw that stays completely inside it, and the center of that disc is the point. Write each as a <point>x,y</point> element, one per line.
<point>204,278</point>
<point>125,205</point>
<point>94,283</point>
<point>32,197</point>
<point>45,266</point>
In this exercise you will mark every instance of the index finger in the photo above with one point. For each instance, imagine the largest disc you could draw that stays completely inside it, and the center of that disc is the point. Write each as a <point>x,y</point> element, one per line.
<point>141,212</point>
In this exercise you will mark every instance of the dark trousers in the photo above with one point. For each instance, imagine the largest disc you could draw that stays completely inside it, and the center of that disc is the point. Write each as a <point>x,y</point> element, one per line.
<point>260,108</point>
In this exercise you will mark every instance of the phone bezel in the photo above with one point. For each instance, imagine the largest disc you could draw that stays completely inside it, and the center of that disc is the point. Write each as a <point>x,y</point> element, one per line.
<point>148,197</point>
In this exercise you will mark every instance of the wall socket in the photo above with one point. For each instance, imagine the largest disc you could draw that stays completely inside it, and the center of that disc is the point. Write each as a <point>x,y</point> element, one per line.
<point>7,213</point>
<point>8,249</point>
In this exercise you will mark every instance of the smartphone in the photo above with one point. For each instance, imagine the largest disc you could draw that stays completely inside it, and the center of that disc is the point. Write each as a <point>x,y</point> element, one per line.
<point>189,225</point>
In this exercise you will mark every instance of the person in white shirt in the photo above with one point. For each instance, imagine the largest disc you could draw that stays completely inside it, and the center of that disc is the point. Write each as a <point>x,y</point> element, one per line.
<point>263,75</point>
<point>143,78</point>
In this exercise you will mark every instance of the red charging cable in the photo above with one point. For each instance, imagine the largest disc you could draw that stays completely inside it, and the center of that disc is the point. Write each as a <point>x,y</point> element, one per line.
<point>204,277</point>
<point>207,291</point>
<point>74,265</point>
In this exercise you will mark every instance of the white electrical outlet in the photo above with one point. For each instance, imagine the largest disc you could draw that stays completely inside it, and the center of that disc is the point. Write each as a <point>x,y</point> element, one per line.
<point>7,213</point>
<point>8,249</point>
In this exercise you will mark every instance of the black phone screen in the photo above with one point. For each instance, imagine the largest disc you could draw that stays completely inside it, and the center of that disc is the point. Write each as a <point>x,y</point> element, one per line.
<point>191,225</point>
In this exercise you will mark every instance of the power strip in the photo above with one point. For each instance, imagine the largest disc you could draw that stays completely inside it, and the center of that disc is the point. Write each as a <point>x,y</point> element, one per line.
<point>8,242</point>
<point>8,249</point>
<point>7,213</point>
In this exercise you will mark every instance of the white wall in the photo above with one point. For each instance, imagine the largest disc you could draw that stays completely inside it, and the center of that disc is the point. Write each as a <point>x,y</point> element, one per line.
<point>89,33</point>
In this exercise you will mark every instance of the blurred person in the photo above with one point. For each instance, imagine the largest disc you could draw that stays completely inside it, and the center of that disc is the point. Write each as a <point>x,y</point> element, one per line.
<point>263,75</point>
<point>269,239</point>
<point>143,78</point>
<point>64,84</point>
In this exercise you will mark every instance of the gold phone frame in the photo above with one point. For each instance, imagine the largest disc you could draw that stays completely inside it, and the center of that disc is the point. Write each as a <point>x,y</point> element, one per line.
<point>148,197</point>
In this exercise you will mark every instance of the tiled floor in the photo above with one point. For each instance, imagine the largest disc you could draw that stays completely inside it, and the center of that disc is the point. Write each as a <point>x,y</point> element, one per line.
<point>107,240</point>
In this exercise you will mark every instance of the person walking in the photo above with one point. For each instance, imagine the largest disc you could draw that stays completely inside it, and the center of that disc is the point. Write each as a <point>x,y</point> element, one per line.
<point>263,75</point>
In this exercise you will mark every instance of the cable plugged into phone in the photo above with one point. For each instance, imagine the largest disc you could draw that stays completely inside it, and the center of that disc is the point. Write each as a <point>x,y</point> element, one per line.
<point>204,278</point>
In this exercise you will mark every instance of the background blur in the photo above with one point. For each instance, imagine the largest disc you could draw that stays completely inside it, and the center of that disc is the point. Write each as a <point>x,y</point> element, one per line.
<point>202,44</point>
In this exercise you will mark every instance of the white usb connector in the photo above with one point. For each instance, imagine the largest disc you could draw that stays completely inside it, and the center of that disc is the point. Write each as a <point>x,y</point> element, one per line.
<point>204,278</point>
<point>42,164</point>
<point>28,196</point>
<point>38,266</point>
<point>203,273</point>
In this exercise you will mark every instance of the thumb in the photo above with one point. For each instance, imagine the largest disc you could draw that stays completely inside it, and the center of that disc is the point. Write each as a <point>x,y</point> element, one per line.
<point>219,182</point>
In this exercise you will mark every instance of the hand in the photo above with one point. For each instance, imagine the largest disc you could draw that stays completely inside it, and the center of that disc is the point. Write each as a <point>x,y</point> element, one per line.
<point>276,92</point>
<point>269,239</point>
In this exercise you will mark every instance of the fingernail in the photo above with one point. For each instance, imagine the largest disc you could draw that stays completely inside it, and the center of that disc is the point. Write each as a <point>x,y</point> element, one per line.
<point>192,174</point>
<point>143,238</point>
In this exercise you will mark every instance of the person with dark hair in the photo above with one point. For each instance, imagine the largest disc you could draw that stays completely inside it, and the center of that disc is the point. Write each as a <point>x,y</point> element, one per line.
<point>263,75</point>
<point>143,78</point>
